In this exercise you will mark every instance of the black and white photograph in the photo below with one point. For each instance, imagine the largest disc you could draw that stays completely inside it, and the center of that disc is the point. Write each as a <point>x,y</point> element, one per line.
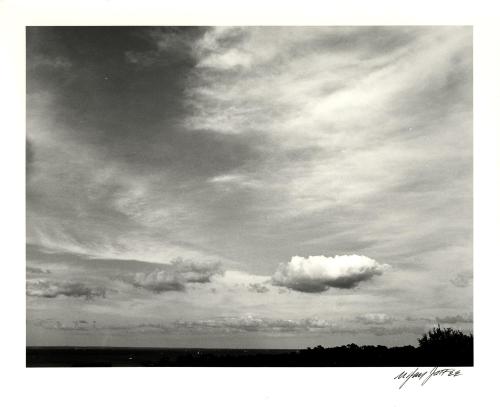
<point>252,204</point>
<point>265,196</point>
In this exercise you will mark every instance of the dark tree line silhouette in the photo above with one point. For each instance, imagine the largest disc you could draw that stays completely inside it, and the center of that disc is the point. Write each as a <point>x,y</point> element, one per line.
<point>438,347</point>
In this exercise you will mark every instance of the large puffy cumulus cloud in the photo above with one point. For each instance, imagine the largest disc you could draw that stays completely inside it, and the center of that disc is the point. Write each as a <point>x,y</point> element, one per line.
<point>318,273</point>
<point>175,276</point>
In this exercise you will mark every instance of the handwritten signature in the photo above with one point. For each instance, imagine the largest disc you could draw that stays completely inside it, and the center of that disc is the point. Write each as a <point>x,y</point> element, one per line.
<point>425,375</point>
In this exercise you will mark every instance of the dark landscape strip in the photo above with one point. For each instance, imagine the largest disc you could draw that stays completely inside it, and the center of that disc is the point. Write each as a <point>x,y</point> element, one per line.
<point>345,356</point>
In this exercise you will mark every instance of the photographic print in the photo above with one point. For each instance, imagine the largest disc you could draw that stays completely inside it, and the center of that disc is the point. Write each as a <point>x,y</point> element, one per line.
<point>249,196</point>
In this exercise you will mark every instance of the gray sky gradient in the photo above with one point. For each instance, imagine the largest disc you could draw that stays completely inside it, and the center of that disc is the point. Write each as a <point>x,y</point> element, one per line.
<point>247,186</point>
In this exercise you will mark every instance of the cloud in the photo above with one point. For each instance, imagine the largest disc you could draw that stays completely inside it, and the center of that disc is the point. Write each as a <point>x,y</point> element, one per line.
<point>175,276</point>
<point>57,62</point>
<point>226,181</point>
<point>159,281</point>
<point>397,330</point>
<point>308,139</point>
<point>30,158</point>
<point>139,328</point>
<point>318,273</point>
<point>258,288</point>
<point>237,324</point>
<point>417,319</point>
<point>51,289</point>
<point>457,319</point>
<point>146,58</point>
<point>47,323</point>
<point>83,325</point>
<point>250,323</point>
<point>157,277</point>
<point>375,319</point>
<point>462,280</point>
<point>171,44</point>
<point>36,270</point>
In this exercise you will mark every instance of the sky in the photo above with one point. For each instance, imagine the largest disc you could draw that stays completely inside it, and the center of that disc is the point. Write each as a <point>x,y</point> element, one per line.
<point>258,187</point>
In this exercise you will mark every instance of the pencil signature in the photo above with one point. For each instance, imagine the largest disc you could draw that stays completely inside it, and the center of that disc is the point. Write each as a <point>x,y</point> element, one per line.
<point>424,375</point>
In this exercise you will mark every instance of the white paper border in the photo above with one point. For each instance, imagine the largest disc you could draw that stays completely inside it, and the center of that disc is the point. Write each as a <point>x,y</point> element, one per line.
<point>242,386</point>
